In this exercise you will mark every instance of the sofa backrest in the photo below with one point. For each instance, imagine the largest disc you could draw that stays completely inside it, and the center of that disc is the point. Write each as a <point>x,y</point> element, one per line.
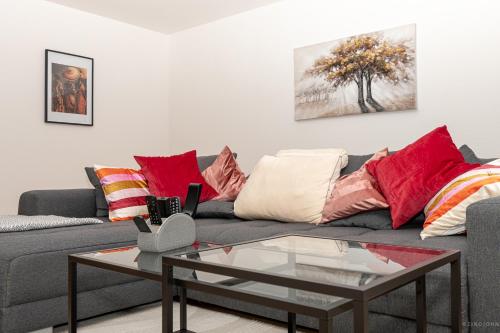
<point>356,161</point>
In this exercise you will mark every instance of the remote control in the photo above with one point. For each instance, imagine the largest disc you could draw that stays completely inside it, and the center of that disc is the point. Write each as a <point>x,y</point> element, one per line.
<point>173,205</point>
<point>141,224</point>
<point>169,206</point>
<point>154,212</point>
<point>192,199</point>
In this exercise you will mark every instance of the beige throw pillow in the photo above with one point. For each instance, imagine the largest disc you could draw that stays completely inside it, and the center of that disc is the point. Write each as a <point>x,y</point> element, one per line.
<point>313,152</point>
<point>288,188</point>
<point>335,152</point>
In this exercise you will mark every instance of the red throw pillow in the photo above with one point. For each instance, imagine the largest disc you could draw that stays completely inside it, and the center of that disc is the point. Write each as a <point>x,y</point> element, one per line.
<point>412,176</point>
<point>170,176</point>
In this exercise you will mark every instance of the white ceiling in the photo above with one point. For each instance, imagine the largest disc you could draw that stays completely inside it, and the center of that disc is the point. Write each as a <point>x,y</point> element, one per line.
<point>166,16</point>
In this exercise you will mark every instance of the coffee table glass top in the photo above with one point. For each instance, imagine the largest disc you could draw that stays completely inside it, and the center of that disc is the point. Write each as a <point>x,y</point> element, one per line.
<point>315,259</point>
<point>131,257</point>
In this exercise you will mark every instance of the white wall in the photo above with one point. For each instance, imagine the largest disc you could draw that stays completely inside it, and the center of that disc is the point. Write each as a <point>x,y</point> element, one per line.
<point>231,81</point>
<point>130,87</point>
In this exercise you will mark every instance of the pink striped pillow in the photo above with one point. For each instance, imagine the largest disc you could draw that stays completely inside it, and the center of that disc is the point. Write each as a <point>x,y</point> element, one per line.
<point>445,213</point>
<point>125,191</point>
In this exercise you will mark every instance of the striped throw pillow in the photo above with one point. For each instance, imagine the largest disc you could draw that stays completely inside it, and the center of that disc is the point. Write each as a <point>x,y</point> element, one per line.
<point>445,213</point>
<point>125,191</point>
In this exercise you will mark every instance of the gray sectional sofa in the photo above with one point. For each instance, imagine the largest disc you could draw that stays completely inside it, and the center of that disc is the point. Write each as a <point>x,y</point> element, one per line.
<point>33,265</point>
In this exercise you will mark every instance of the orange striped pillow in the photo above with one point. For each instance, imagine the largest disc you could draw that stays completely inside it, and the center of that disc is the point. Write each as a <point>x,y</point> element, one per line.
<point>445,213</point>
<point>125,191</point>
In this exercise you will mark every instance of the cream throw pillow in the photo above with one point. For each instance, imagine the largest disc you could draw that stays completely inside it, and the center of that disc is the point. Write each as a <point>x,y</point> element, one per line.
<point>288,188</point>
<point>312,152</point>
<point>315,152</point>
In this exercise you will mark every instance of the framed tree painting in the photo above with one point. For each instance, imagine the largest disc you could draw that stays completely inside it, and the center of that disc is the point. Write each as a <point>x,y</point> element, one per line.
<point>69,88</point>
<point>369,73</point>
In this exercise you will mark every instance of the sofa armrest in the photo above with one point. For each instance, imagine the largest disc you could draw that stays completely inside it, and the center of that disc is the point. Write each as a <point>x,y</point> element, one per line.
<point>483,264</point>
<point>69,203</point>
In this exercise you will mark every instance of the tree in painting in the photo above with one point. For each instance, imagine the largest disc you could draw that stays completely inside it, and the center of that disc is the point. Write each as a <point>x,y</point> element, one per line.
<point>363,59</point>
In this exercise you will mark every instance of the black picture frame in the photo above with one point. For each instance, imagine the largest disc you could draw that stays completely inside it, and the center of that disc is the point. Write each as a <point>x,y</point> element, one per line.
<point>69,60</point>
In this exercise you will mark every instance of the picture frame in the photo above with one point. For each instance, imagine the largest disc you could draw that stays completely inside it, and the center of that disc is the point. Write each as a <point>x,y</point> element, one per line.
<point>69,88</point>
<point>366,73</point>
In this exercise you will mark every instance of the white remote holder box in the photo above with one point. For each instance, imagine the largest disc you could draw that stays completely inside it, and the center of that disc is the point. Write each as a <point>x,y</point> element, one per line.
<point>176,231</point>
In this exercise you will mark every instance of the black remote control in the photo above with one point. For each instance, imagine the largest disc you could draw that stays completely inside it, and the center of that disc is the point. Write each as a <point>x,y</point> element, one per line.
<point>173,205</point>
<point>169,205</point>
<point>192,199</point>
<point>141,224</point>
<point>154,212</point>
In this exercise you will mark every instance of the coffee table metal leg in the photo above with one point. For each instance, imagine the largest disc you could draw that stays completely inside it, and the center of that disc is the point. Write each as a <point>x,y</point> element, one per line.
<point>325,325</point>
<point>421,305</point>
<point>183,308</point>
<point>456,297</point>
<point>72,284</point>
<point>360,317</point>
<point>168,299</point>
<point>292,322</point>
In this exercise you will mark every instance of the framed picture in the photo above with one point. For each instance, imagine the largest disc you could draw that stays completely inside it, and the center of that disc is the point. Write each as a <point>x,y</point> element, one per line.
<point>369,73</point>
<point>69,88</point>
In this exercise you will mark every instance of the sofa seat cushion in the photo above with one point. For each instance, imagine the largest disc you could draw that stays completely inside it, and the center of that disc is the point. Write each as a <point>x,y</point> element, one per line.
<point>226,231</point>
<point>33,264</point>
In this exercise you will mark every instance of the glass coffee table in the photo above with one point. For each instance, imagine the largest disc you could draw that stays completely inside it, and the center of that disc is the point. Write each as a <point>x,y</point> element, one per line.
<point>127,260</point>
<point>313,276</point>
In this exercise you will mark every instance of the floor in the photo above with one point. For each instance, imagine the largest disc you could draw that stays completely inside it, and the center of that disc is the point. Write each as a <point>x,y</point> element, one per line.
<point>146,319</point>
